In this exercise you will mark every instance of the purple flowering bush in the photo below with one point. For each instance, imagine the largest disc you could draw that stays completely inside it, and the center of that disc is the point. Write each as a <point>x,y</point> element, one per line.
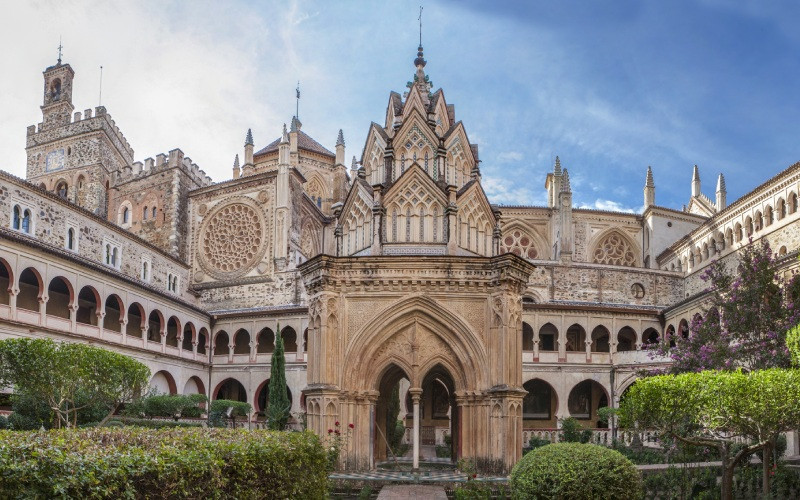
<point>745,326</point>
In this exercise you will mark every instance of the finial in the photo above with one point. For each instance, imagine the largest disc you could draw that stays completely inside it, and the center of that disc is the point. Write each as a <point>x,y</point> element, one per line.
<point>340,139</point>
<point>59,49</point>
<point>295,127</point>
<point>720,183</point>
<point>565,183</point>
<point>695,174</point>
<point>285,135</point>
<point>649,180</point>
<point>420,26</point>
<point>248,141</point>
<point>236,162</point>
<point>557,168</point>
<point>354,164</point>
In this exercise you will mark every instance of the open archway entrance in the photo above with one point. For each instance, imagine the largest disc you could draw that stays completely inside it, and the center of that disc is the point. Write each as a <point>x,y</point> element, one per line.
<point>388,413</point>
<point>438,416</point>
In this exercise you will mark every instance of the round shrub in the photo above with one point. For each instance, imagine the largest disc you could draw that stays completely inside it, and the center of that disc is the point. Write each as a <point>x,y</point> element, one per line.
<point>575,471</point>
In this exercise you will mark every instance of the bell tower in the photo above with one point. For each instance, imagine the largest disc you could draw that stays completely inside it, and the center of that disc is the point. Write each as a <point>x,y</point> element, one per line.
<point>57,99</point>
<point>75,155</point>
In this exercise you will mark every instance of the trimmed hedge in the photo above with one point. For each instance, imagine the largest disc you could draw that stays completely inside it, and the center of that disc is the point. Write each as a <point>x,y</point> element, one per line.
<point>167,463</point>
<point>575,471</point>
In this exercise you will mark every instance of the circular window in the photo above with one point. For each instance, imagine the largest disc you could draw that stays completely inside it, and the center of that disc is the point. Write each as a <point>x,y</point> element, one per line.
<point>232,240</point>
<point>637,291</point>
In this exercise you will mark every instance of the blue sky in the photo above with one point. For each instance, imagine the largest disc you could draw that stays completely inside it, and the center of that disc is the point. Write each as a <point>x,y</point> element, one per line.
<point>610,87</point>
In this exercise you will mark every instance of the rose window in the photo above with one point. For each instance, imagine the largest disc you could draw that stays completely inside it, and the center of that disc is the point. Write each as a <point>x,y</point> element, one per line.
<point>615,250</point>
<point>519,244</point>
<point>232,240</point>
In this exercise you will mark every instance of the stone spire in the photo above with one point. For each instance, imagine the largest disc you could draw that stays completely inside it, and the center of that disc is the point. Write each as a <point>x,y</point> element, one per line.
<point>340,149</point>
<point>248,153</point>
<point>565,188</point>
<point>354,168</point>
<point>557,168</point>
<point>283,148</point>
<point>695,182</point>
<point>649,189</point>
<point>296,125</point>
<point>722,193</point>
<point>236,170</point>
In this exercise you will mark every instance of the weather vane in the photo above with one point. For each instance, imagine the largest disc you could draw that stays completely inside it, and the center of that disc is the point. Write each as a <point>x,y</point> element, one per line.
<point>297,109</point>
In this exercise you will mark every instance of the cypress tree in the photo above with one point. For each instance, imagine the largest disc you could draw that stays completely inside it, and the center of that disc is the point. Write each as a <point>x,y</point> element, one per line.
<point>279,406</point>
<point>392,412</point>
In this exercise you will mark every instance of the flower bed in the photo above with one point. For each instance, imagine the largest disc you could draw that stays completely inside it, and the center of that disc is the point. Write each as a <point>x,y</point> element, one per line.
<point>163,463</point>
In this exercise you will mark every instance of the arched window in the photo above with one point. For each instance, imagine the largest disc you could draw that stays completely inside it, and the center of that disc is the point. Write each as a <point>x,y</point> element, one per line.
<point>17,222</point>
<point>61,189</point>
<point>768,216</point>
<point>792,203</point>
<point>125,215</point>
<point>114,257</point>
<point>145,271</point>
<point>55,89</point>
<point>781,209</point>
<point>70,239</point>
<point>154,213</point>
<point>26,221</point>
<point>144,213</point>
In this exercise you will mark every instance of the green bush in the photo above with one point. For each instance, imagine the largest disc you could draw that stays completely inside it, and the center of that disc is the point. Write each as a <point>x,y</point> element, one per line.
<point>573,432</point>
<point>150,424</point>
<point>3,422</point>
<point>166,405</point>
<point>167,463</point>
<point>535,442</point>
<point>217,411</point>
<point>576,471</point>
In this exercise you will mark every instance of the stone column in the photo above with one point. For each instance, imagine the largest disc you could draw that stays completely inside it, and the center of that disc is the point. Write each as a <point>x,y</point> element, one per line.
<point>416,394</point>
<point>73,316</point>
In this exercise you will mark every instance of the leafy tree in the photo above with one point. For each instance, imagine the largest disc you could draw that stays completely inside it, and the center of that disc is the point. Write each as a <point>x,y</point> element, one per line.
<point>746,323</point>
<point>279,406</point>
<point>717,409</point>
<point>70,377</point>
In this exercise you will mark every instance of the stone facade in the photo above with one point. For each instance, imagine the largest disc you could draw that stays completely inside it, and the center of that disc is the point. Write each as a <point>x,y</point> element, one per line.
<point>495,321</point>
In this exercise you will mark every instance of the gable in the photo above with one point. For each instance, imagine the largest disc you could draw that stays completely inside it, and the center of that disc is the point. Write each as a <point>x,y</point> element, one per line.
<point>415,187</point>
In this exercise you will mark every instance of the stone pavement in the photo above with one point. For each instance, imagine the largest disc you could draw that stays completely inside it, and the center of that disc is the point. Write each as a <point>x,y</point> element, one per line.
<point>412,491</point>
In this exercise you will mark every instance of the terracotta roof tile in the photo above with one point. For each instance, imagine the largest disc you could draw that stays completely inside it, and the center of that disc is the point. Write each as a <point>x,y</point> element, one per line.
<point>304,141</point>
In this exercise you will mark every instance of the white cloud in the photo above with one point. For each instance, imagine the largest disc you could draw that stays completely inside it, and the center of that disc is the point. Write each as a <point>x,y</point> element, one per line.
<point>507,192</point>
<point>509,156</point>
<point>610,205</point>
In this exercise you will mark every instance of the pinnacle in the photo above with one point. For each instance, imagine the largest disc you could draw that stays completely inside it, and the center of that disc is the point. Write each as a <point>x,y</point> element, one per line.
<point>649,180</point>
<point>557,168</point>
<point>354,164</point>
<point>720,183</point>
<point>236,161</point>
<point>248,141</point>
<point>285,135</point>
<point>296,124</point>
<point>696,174</point>
<point>565,183</point>
<point>340,139</point>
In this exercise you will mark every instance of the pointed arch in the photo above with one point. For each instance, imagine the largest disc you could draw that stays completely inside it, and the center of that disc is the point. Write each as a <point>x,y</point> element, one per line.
<point>614,247</point>
<point>439,331</point>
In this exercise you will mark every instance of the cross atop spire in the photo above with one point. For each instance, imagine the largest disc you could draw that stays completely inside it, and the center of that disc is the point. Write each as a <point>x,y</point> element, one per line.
<point>60,46</point>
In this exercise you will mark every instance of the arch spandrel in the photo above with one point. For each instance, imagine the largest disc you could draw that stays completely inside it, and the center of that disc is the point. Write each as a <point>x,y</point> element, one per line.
<point>416,334</point>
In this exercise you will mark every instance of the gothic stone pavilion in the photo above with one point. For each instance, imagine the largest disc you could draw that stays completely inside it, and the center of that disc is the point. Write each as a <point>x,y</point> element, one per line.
<point>496,321</point>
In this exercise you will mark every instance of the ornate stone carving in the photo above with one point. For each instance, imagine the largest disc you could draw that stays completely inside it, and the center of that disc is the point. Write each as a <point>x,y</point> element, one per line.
<point>519,243</point>
<point>614,249</point>
<point>233,239</point>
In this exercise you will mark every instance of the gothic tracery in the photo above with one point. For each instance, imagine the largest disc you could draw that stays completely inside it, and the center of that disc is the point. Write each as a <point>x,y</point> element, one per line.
<point>614,249</point>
